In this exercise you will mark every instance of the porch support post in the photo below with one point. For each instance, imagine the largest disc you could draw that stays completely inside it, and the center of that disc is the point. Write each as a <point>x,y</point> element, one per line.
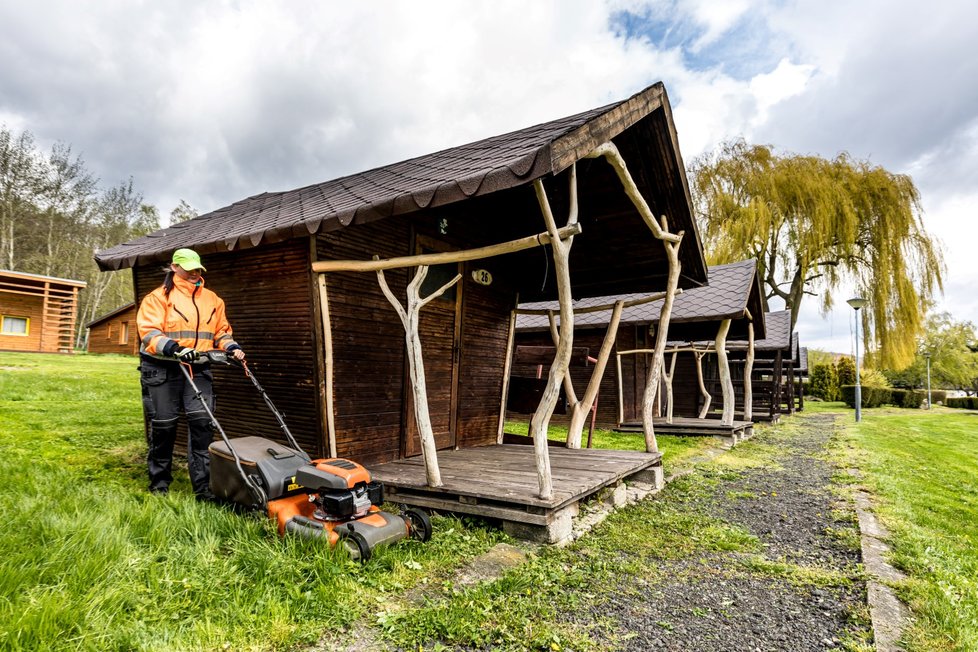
<point>621,391</point>
<point>569,392</point>
<point>671,241</point>
<point>409,315</point>
<point>667,377</point>
<point>540,421</point>
<point>507,369</point>
<point>662,334</point>
<point>748,370</point>
<point>328,364</point>
<point>726,385</point>
<point>575,430</point>
<point>707,397</point>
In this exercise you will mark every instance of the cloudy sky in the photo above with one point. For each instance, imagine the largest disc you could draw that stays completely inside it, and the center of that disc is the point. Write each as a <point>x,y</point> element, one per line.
<point>210,102</point>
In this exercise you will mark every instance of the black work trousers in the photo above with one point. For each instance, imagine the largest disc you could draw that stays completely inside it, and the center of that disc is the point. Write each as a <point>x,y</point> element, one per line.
<point>169,394</point>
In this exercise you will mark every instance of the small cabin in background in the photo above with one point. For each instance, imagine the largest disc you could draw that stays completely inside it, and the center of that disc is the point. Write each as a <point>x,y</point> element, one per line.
<point>114,332</point>
<point>38,313</point>
<point>733,295</point>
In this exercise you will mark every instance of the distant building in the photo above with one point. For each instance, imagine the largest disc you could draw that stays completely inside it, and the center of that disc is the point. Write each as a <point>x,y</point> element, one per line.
<point>114,332</point>
<point>37,313</point>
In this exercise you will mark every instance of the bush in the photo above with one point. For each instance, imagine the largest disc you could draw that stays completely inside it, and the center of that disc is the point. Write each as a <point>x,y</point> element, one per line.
<point>908,398</point>
<point>937,396</point>
<point>824,383</point>
<point>872,396</point>
<point>845,370</point>
<point>966,402</point>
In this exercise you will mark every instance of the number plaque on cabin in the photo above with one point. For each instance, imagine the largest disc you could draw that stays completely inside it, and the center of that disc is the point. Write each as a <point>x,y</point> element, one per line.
<point>482,276</point>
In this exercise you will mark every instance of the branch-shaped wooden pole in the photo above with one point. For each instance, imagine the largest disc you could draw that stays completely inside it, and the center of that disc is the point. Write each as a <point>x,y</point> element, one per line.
<point>748,370</point>
<point>540,421</point>
<point>652,385</point>
<point>575,430</point>
<point>707,397</point>
<point>726,384</point>
<point>410,317</point>
<point>671,241</point>
<point>667,377</point>
<point>570,396</point>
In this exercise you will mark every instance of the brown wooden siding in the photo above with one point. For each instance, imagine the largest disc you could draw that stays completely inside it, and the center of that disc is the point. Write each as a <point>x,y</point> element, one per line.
<point>268,295</point>
<point>368,342</point>
<point>115,335</point>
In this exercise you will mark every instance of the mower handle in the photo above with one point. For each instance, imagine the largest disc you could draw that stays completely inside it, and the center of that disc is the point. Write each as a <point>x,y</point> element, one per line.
<point>221,357</point>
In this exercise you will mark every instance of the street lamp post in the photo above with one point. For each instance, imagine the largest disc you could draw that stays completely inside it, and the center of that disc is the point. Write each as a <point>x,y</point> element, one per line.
<point>927,357</point>
<point>856,303</point>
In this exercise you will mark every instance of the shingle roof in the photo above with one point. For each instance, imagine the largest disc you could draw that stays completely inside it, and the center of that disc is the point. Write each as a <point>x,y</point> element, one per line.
<point>778,333</point>
<point>431,180</point>
<point>724,298</point>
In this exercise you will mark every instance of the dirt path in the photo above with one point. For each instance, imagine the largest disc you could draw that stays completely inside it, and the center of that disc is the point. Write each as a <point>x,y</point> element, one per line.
<point>801,592</point>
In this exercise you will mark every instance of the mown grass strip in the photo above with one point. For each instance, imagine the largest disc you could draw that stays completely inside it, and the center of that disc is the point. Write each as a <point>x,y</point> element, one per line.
<point>921,466</point>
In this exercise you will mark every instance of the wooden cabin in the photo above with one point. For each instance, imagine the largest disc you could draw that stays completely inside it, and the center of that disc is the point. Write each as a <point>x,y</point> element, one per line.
<point>38,313</point>
<point>114,332</point>
<point>733,294</point>
<point>771,373</point>
<point>311,277</point>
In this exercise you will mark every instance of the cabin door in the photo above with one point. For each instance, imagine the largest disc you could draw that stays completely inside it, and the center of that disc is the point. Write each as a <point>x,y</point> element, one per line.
<point>439,329</point>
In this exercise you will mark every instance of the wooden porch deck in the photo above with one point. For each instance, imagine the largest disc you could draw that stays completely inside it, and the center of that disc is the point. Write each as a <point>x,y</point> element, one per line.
<point>500,482</point>
<point>735,433</point>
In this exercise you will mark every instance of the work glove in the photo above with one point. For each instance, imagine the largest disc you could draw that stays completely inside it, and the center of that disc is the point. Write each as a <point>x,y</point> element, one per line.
<point>187,355</point>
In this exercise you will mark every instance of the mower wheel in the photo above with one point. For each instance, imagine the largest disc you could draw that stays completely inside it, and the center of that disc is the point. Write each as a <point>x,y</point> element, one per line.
<point>420,524</point>
<point>357,546</point>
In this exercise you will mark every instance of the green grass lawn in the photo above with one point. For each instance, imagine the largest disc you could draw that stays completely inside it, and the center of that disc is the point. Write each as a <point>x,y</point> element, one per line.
<point>90,560</point>
<point>923,467</point>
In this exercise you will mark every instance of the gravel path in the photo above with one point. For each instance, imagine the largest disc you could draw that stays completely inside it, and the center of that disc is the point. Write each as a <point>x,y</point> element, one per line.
<point>721,601</point>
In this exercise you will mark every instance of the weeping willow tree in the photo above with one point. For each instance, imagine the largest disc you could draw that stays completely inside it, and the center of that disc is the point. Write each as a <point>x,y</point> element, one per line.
<point>815,225</point>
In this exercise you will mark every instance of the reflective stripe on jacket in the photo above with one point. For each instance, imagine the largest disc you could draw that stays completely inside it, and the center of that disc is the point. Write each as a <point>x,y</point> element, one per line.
<point>192,316</point>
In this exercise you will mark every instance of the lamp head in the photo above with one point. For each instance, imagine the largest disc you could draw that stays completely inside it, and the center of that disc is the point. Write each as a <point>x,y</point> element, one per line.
<point>858,302</point>
<point>927,355</point>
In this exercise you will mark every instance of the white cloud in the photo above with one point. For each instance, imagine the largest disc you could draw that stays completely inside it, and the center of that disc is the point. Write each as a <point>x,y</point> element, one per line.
<point>213,102</point>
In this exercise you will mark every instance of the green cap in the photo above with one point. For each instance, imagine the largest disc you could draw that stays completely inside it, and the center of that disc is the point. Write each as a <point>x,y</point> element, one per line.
<point>187,259</point>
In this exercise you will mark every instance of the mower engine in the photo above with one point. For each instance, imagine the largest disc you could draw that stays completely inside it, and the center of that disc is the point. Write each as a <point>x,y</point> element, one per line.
<point>334,498</point>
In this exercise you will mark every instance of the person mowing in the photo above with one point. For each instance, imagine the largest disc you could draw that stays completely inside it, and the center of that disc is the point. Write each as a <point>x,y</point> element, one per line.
<point>177,322</point>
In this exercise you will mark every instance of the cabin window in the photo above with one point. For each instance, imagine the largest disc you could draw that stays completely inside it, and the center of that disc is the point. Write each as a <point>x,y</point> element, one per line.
<point>124,333</point>
<point>108,331</point>
<point>15,325</point>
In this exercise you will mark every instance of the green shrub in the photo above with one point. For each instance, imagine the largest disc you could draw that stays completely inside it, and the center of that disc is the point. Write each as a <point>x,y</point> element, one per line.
<point>966,402</point>
<point>872,396</point>
<point>824,382</point>
<point>937,396</point>
<point>845,370</point>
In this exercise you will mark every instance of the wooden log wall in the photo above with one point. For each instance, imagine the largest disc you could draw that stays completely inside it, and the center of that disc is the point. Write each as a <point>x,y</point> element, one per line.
<point>368,342</point>
<point>268,294</point>
<point>116,335</point>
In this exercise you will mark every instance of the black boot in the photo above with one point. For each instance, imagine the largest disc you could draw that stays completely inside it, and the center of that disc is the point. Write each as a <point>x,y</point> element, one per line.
<point>159,460</point>
<point>198,458</point>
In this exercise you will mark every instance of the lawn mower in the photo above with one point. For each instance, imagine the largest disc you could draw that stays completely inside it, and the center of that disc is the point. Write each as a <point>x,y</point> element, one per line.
<point>333,499</point>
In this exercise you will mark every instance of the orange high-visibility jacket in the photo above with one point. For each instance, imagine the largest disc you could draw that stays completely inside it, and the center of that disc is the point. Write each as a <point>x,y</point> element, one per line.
<point>192,315</point>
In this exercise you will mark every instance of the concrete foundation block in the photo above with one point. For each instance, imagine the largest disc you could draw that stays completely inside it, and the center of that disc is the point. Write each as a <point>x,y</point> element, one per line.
<point>557,531</point>
<point>652,476</point>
